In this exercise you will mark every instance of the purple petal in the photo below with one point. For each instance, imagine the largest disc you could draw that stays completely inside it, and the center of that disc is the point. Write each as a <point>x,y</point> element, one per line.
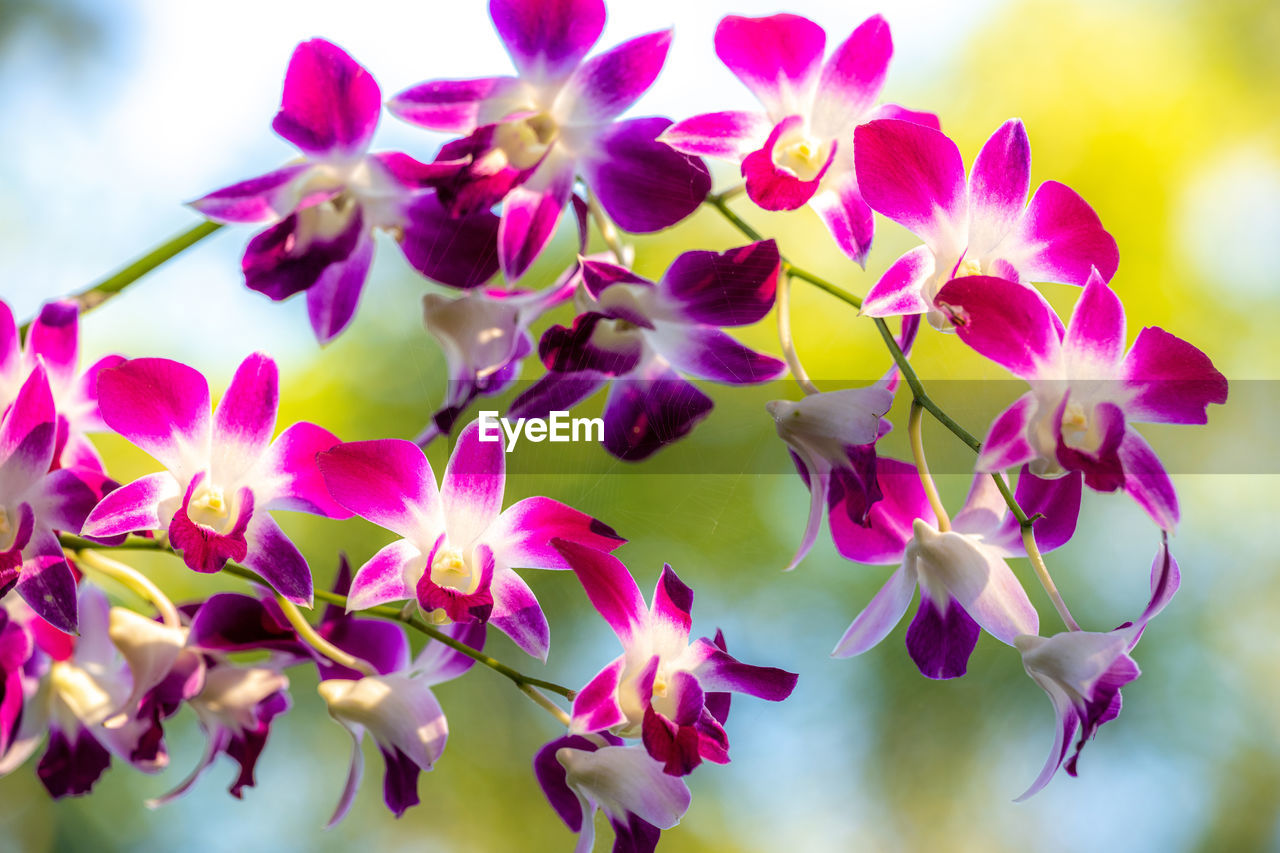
<point>555,392</point>
<point>246,417</point>
<point>552,777</point>
<point>388,482</point>
<point>547,38</point>
<point>879,617</point>
<point>277,560</point>
<point>708,353</point>
<point>289,258</point>
<point>847,216</point>
<point>28,435</point>
<point>48,584</point>
<point>1172,381</point>
<point>451,106</point>
<point>1060,238</point>
<point>382,644</point>
<point>132,508</point>
<point>333,297</point>
<point>1147,482</point>
<point>852,78</point>
<point>383,578</point>
<point>609,587</point>
<point>330,105</point>
<point>64,498</point>
<point>730,135</point>
<point>643,184</point>
<point>998,186</point>
<point>1006,444</point>
<point>472,486</point>
<point>591,345</point>
<point>1096,331</point>
<point>53,337</point>
<point>530,213</point>
<point>162,407</point>
<point>914,176</point>
<point>777,58</point>
<point>517,614</point>
<point>644,414</point>
<point>941,638</point>
<point>231,622</point>
<point>773,186</point>
<point>901,290</point>
<point>458,251</point>
<point>521,536</point>
<point>1008,323</point>
<point>72,763</point>
<point>719,672</point>
<point>1056,499</point>
<point>288,476</point>
<point>266,198</point>
<point>607,84</point>
<point>903,501</point>
<point>731,288</point>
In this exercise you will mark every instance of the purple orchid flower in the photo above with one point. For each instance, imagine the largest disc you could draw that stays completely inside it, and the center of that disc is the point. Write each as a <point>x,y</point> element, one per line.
<point>965,584</point>
<point>77,686</point>
<point>35,501</point>
<point>831,438</point>
<point>325,208</point>
<point>581,774</point>
<point>914,175</point>
<point>53,340</point>
<point>638,334</point>
<point>801,149</point>
<point>224,473</point>
<point>459,548</point>
<point>664,689</point>
<point>1083,671</point>
<point>527,137</point>
<point>484,335</point>
<point>1086,391</point>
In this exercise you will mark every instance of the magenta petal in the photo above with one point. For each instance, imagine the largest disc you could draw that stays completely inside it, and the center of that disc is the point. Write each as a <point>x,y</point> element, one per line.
<point>643,184</point>
<point>53,337</point>
<point>388,482</point>
<point>879,617</point>
<point>609,587</point>
<point>1060,238</point>
<point>1056,500</point>
<point>1096,331</point>
<point>941,638</point>
<point>852,78</point>
<point>708,353</point>
<point>604,86</point>
<point>672,603</point>
<point>914,176</point>
<point>384,578</point>
<point>277,560</point>
<point>596,708</point>
<point>777,57</point>
<point>998,186</point>
<point>902,501</point>
<point>451,106</point>
<point>458,251</point>
<point>265,198</point>
<point>286,258</point>
<point>547,38</point>
<point>132,508</point>
<point>521,536</point>
<point>530,214</point>
<point>731,288</point>
<point>1006,444</point>
<point>1171,381</point>
<point>1008,323</point>
<point>847,216</point>
<point>48,585</point>
<point>10,343</point>
<point>332,298</point>
<point>246,417</point>
<point>330,105</point>
<point>901,290</point>
<point>517,614</point>
<point>289,475</point>
<point>730,135</point>
<point>162,406</point>
<point>1147,482</point>
<point>651,409</point>
<point>28,435</point>
<point>894,111</point>
<point>772,187</point>
<point>592,344</point>
<point>472,486</point>
<point>720,671</point>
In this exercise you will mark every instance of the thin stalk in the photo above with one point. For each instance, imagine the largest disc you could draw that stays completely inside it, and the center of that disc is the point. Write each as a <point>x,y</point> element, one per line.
<point>1042,572</point>
<point>545,703</point>
<point>608,232</point>
<point>132,579</point>
<point>785,340</point>
<point>309,636</point>
<point>915,431</point>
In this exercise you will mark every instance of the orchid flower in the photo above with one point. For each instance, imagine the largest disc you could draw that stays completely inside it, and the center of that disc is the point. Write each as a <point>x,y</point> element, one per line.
<point>831,438</point>
<point>664,689</point>
<point>580,774</point>
<point>224,473</point>
<point>642,335</point>
<point>1086,391</point>
<point>983,227</point>
<point>528,136</point>
<point>965,584</point>
<point>459,549</point>
<point>53,340</point>
<point>35,501</point>
<point>324,209</point>
<point>801,149</point>
<point>1083,671</point>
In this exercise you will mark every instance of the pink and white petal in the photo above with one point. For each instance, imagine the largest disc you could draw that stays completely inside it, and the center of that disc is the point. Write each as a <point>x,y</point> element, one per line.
<point>386,481</point>
<point>63,499</point>
<point>774,187</point>
<point>1096,331</point>
<point>331,104</point>
<point>891,518</point>
<point>472,487</point>
<point>731,288</point>
<point>1006,444</point>
<point>671,612</point>
<point>596,707</point>
<point>277,560</point>
<point>1171,381</point>
<point>388,576</point>
<point>730,135</point>
<point>546,40</point>
<point>607,84</point>
<point>708,353</point>
<point>134,508</point>
<point>288,474</point>
<point>643,184</point>
<point>265,198</point>
<point>915,176</point>
<point>333,298</point>
<point>48,584</point>
<point>162,406</point>
<point>901,290</point>
<point>879,617</point>
<point>521,536</point>
<point>609,586</point>
<point>354,774</point>
<point>847,216</point>
<point>998,186</point>
<point>53,337</point>
<point>777,58</point>
<point>719,671</point>
<point>817,476</point>
<point>1011,324</point>
<point>1147,482</point>
<point>531,211</point>
<point>901,113</point>
<point>1060,238</point>
<point>517,614</point>
<point>28,435</point>
<point>452,106</point>
<point>1067,724</point>
<point>852,79</point>
<point>245,418</point>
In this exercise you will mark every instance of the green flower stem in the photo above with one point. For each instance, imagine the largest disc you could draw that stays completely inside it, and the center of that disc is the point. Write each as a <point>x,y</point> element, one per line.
<point>1042,572</point>
<point>916,433</point>
<point>101,291</point>
<point>309,636</point>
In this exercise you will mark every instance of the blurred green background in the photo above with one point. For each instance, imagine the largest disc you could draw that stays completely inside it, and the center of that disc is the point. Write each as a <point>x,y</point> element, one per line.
<point>1162,114</point>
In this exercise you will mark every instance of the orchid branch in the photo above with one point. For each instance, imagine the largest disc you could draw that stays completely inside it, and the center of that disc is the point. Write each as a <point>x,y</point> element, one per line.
<point>916,433</point>
<point>1042,572</point>
<point>785,341</point>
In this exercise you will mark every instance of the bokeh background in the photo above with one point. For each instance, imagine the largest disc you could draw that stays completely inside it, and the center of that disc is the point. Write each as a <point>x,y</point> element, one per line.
<point>1163,114</point>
